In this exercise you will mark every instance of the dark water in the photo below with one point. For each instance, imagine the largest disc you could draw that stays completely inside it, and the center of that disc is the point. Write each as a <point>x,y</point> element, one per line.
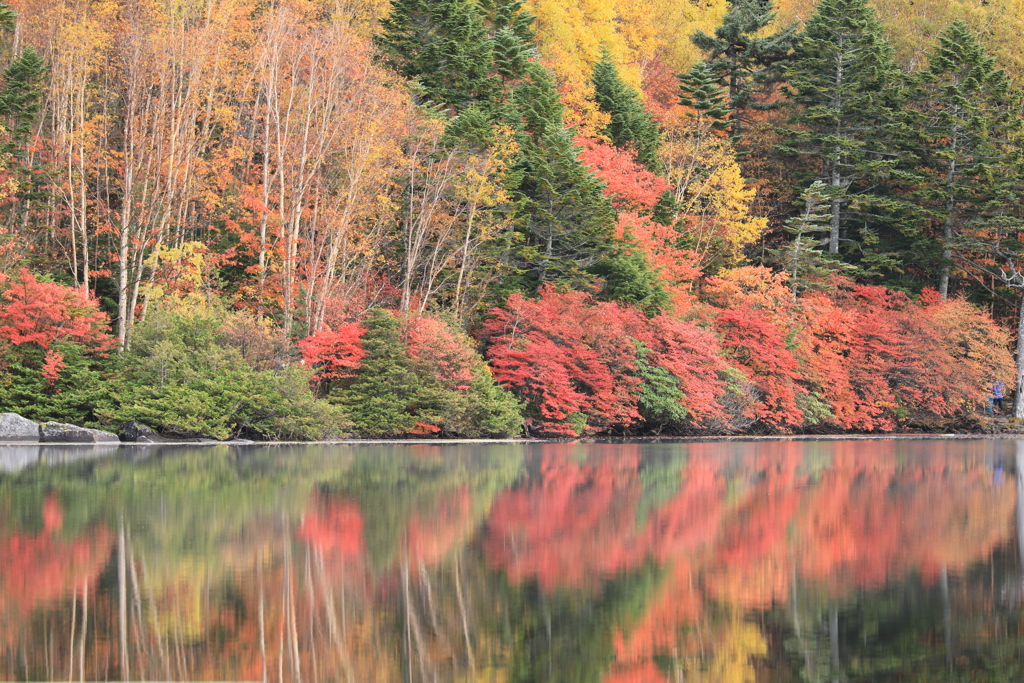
<point>778,561</point>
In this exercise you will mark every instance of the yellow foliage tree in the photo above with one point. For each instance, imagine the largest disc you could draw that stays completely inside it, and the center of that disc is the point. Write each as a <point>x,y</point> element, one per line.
<point>913,27</point>
<point>571,34</point>
<point>713,200</point>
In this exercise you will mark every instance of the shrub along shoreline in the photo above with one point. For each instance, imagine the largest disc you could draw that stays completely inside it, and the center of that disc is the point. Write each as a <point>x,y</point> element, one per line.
<point>744,358</point>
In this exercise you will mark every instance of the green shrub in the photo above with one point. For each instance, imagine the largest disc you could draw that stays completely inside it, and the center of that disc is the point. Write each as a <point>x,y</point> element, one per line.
<point>184,375</point>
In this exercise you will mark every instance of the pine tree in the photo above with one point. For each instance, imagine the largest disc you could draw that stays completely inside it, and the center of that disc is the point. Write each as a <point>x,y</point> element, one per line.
<point>565,223</point>
<point>807,266</point>
<point>566,219</point>
<point>751,64</point>
<point>699,90</point>
<point>387,396</point>
<point>850,118</point>
<point>22,93</point>
<point>631,125</point>
<point>511,31</point>
<point>443,45</point>
<point>970,116</point>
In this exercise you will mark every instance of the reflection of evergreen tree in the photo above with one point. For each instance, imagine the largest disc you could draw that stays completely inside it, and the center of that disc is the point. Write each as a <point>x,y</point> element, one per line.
<point>391,484</point>
<point>569,636</point>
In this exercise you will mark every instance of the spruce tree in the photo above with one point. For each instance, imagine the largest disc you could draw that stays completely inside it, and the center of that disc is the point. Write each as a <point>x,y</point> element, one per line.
<point>699,90</point>
<point>22,93</point>
<point>750,63</point>
<point>387,396</point>
<point>807,266</point>
<point>850,117</point>
<point>564,222</point>
<point>631,125</point>
<point>510,28</point>
<point>566,219</point>
<point>443,45</point>
<point>970,119</point>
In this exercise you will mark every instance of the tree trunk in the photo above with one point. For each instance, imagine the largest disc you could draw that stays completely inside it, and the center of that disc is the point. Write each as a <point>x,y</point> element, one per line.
<point>947,227</point>
<point>1018,402</point>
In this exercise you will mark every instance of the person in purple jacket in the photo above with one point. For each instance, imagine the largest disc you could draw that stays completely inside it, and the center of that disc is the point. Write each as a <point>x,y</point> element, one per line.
<point>998,392</point>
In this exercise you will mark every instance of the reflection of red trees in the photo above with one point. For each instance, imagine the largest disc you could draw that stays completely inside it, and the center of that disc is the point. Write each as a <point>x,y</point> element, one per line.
<point>678,601</point>
<point>868,521</point>
<point>645,672</point>
<point>334,526</point>
<point>675,535</point>
<point>429,538</point>
<point>574,526</point>
<point>40,568</point>
<point>752,562</point>
<point>692,517</point>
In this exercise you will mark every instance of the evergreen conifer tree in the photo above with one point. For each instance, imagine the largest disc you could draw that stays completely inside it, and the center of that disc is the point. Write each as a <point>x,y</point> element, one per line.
<point>443,45</point>
<point>631,125</point>
<point>22,93</point>
<point>511,31</point>
<point>743,58</point>
<point>567,221</point>
<point>970,119</point>
<point>387,396</point>
<point>850,118</point>
<point>699,90</point>
<point>807,266</point>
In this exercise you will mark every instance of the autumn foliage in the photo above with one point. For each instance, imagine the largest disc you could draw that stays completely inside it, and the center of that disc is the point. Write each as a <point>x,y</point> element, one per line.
<point>43,315</point>
<point>333,354</point>
<point>575,361</point>
<point>854,358</point>
<point>44,568</point>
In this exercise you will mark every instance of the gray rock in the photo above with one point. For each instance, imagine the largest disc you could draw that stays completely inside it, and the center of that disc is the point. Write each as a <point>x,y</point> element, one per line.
<point>14,427</point>
<point>136,432</point>
<point>58,432</point>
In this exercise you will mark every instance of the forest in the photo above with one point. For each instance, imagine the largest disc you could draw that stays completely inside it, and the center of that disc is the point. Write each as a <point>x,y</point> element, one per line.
<point>315,219</point>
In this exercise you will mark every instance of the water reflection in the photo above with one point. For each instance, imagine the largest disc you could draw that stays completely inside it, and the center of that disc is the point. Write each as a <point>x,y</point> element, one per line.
<point>780,561</point>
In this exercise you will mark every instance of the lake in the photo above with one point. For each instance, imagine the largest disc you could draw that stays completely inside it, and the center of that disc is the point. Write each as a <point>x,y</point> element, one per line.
<point>780,560</point>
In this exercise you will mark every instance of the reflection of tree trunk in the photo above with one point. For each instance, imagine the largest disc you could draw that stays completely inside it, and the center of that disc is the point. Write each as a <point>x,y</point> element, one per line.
<point>798,631</point>
<point>312,613</point>
<point>947,620</point>
<point>156,622</point>
<point>71,645</point>
<point>425,580</point>
<point>293,640</point>
<point>465,621</point>
<point>547,620</point>
<point>85,627</point>
<point>263,633</point>
<point>833,637</point>
<point>1020,502</point>
<point>142,646</point>
<point>412,622</point>
<point>122,604</point>
<point>339,639</point>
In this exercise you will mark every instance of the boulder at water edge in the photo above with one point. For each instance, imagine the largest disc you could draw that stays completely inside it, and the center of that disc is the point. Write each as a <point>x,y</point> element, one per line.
<point>58,432</point>
<point>14,427</point>
<point>136,432</point>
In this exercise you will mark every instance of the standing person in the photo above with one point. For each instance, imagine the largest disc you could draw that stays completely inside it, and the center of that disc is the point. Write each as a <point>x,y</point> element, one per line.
<point>998,391</point>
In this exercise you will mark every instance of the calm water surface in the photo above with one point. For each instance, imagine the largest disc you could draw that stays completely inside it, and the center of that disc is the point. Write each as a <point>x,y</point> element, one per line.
<point>744,561</point>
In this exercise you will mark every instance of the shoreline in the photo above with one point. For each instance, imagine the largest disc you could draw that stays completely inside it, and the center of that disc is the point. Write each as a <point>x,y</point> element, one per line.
<point>904,436</point>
